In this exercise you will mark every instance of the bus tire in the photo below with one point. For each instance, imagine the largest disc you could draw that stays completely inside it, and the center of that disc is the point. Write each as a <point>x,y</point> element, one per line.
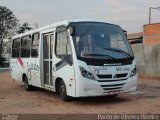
<point>63,92</point>
<point>26,85</point>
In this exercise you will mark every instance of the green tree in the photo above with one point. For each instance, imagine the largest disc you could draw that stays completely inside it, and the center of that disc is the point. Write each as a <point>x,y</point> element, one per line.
<point>8,23</point>
<point>24,28</point>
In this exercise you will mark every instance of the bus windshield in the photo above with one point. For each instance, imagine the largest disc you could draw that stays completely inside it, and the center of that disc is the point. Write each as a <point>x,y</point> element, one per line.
<point>100,41</point>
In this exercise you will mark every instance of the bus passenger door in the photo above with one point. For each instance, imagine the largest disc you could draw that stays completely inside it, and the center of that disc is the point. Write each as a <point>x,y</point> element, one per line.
<point>47,59</point>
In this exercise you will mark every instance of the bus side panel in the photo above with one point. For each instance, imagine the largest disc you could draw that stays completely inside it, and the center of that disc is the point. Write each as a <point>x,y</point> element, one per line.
<point>32,70</point>
<point>27,66</point>
<point>35,73</point>
<point>16,69</point>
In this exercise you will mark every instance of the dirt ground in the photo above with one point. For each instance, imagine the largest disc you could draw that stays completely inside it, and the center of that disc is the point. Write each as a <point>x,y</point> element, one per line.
<point>14,99</point>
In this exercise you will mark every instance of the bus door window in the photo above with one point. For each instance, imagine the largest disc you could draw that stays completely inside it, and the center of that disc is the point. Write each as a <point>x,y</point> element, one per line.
<point>47,57</point>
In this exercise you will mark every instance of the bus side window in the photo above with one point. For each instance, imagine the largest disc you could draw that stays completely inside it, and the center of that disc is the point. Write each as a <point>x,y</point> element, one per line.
<point>35,45</point>
<point>25,46</point>
<point>16,48</point>
<point>63,47</point>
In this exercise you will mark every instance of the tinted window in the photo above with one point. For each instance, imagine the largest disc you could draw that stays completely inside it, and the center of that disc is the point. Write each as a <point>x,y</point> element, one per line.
<point>25,46</point>
<point>46,46</point>
<point>100,41</point>
<point>16,43</point>
<point>26,41</point>
<point>16,48</point>
<point>62,44</point>
<point>35,45</point>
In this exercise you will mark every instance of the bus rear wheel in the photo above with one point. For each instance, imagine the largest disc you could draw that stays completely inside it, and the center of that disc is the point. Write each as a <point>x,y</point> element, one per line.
<point>63,92</point>
<point>26,85</point>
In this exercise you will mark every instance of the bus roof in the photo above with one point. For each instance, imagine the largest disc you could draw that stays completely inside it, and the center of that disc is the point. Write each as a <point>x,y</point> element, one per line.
<point>66,22</point>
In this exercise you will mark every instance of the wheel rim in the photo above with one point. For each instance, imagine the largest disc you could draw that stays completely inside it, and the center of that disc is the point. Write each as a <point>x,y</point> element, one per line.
<point>62,89</point>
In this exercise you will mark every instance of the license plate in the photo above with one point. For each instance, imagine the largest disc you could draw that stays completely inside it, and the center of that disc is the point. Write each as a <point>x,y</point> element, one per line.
<point>114,92</point>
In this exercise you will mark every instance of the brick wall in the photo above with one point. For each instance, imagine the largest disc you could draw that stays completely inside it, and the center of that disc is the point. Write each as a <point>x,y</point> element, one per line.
<point>148,54</point>
<point>151,34</point>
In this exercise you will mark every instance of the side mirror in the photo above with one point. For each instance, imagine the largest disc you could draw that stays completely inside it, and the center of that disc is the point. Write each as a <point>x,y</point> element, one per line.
<point>125,32</point>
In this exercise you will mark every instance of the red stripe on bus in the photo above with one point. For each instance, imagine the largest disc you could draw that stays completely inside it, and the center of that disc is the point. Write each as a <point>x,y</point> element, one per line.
<point>20,62</point>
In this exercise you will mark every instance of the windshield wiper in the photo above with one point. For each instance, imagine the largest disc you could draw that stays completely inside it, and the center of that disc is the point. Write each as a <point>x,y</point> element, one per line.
<point>100,55</point>
<point>121,51</point>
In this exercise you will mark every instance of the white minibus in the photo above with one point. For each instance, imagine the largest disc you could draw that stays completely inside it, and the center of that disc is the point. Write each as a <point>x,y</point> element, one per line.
<point>75,58</point>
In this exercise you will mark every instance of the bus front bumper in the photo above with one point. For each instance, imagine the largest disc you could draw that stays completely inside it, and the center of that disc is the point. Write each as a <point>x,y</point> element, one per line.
<point>89,87</point>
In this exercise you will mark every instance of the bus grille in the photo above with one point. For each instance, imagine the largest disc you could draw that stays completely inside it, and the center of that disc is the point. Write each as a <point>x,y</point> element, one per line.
<point>112,87</point>
<point>108,76</point>
<point>112,80</point>
<point>105,76</point>
<point>121,75</point>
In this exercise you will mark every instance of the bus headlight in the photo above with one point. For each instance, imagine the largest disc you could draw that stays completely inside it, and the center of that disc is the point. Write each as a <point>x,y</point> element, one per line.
<point>134,71</point>
<point>86,73</point>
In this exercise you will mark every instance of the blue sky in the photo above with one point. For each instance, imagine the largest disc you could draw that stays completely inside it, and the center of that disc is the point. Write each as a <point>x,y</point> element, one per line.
<point>129,14</point>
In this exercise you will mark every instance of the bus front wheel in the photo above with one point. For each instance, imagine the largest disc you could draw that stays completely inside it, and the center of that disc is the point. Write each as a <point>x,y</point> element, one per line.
<point>63,91</point>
